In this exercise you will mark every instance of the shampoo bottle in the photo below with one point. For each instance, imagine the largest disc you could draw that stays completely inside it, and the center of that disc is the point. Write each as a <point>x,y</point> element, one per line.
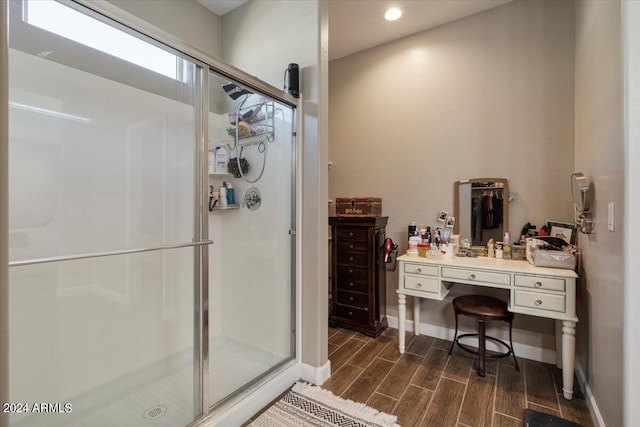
<point>223,196</point>
<point>231,194</point>
<point>221,159</point>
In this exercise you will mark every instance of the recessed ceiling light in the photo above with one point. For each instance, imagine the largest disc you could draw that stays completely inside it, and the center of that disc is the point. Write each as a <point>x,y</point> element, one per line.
<point>393,14</point>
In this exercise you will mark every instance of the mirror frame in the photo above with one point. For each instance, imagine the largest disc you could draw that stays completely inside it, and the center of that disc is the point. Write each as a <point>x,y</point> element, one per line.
<point>456,201</point>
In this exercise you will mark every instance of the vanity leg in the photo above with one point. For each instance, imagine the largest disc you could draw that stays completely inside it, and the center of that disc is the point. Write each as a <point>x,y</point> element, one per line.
<point>402,315</point>
<point>559,344</point>
<point>416,315</point>
<point>568,357</point>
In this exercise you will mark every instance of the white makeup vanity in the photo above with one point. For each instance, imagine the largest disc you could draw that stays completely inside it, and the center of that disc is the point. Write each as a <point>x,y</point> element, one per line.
<point>535,291</point>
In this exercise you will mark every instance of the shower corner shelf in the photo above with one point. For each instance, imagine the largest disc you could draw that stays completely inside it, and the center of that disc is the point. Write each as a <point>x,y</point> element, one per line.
<point>225,208</point>
<point>220,175</point>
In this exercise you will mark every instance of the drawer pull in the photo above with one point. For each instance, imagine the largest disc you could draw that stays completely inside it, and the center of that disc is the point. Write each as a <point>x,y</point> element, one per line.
<point>472,276</point>
<point>351,284</point>
<point>418,285</point>
<point>538,284</point>
<point>350,235</point>
<point>538,302</point>
<point>350,258</point>
<point>350,298</point>
<point>418,270</point>
<point>350,246</point>
<point>351,270</point>
<point>351,313</point>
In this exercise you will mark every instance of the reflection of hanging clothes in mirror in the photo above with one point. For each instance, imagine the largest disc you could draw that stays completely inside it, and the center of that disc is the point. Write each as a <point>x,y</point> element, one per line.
<point>486,212</point>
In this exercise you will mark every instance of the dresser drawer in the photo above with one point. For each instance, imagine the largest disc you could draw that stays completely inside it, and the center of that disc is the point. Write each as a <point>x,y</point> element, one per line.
<point>353,258</point>
<point>538,282</point>
<point>358,315</point>
<point>353,246</point>
<point>422,284</point>
<point>352,299</point>
<point>540,301</point>
<point>421,269</point>
<point>352,272</point>
<point>476,276</point>
<point>352,234</point>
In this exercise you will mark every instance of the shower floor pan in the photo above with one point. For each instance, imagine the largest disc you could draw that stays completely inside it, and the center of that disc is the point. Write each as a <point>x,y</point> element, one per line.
<point>167,401</point>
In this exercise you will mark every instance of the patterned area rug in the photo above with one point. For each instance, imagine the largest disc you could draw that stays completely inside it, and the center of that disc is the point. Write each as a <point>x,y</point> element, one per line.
<point>306,405</point>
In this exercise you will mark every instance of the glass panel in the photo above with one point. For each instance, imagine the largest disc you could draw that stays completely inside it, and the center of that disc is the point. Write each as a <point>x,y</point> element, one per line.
<point>101,149</point>
<point>110,337</point>
<point>250,282</point>
<point>101,159</point>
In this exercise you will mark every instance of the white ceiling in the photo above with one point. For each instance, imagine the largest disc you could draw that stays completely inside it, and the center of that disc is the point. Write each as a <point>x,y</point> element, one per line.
<point>220,7</point>
<point>356,25</point>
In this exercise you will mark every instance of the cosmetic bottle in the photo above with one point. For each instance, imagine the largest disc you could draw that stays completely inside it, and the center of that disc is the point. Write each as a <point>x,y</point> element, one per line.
<point>221,159</point>
<point>412,230</point>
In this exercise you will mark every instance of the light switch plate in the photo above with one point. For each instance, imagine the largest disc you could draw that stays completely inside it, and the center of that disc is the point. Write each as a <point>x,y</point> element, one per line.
<point>611,224</point>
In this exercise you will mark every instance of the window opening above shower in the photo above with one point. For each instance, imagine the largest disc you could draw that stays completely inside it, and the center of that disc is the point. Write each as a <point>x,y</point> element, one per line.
<point>71,24</point>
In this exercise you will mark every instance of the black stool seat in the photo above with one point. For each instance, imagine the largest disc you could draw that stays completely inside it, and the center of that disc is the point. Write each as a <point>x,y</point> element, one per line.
<point>483,308</point>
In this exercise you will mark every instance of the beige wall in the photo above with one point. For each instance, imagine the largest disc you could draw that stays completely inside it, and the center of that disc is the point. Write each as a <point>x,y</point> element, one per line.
<point>490,95</point>
<point>262,38</point>
<point>599,155</point>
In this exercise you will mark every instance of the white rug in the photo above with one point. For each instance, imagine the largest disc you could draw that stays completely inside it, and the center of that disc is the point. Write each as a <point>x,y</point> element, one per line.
<point>306,405</point>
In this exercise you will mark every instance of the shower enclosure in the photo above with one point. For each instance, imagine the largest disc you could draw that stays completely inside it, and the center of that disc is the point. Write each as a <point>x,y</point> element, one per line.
<point>135,296</point>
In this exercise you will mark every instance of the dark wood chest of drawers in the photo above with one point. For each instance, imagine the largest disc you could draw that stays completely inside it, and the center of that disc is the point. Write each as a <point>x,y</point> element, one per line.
<point>358,282</point>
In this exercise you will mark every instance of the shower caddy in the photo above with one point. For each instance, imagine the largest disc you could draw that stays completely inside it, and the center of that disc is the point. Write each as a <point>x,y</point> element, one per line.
<point>258,129</point>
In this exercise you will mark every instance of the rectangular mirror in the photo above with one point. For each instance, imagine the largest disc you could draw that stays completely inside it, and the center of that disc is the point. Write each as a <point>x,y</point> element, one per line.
<point>481,209</point>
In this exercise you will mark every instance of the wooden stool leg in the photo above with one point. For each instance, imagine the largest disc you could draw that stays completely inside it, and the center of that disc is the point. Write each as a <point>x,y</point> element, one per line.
<point>481,347</point>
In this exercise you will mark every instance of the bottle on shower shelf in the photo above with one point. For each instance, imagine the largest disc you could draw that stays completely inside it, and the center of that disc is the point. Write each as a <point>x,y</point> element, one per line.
<point>223,196</point>
<point>231,194</point>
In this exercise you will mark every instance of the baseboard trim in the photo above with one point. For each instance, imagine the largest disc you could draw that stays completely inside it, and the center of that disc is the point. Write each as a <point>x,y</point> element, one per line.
<point>316,374</point>
<point>522,350</point>
<point>596,416</point>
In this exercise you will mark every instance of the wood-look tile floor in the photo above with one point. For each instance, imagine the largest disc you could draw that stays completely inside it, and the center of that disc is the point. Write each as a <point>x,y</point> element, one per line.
<point>427,387</point>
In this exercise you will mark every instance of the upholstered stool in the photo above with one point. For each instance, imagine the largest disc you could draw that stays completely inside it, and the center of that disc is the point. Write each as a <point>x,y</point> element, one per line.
<point>483,309</point>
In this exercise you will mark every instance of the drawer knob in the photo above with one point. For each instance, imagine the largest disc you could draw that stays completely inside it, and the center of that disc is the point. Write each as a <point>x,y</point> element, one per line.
<point>351,270</point>
<point>351,234</point>
<point>472,276</point>
<point>350,298</point>
<point>538,302</point>
<point>538,284</point>
<point>418,270</point>
<point>351,284</point>
<point>418,285</point>
<point>350,258</point>
<point>350,246</point>
<point>351,313</point>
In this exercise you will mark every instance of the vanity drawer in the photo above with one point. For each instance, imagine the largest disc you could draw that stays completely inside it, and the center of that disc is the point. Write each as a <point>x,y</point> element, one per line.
<point>352,299</point>
<point>538,282</point>
<point>352,234</point>
<point>421,269</point>
<point>353,246</point>
<point>359,315</point>
<point>540,301</point>
<point>353,258</point>
<point>422,284</point>
<point>476,276</point>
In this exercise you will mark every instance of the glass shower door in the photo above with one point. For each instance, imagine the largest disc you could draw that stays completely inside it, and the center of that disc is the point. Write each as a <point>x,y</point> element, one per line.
<point>105,229</point>
<point>251,263</point>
